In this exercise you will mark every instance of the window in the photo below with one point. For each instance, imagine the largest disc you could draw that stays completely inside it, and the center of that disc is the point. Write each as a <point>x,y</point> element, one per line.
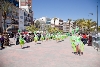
<point>28,15</point>
<point>21,17</point>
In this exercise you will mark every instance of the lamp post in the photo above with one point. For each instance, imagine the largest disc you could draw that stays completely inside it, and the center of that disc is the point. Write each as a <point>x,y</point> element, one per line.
<point>97,17</point>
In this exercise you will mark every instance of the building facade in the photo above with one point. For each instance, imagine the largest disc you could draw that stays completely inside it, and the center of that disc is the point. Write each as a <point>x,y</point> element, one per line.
<point>21,20</point>
<point>27,5</point>
<point>68,26</point>
<point>44,23</point>
<point>11,14</point>
<point>57,22</point>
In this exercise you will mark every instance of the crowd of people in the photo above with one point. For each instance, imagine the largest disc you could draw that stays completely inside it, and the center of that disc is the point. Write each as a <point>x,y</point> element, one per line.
<point>26,38</point>
<point>77,40</point>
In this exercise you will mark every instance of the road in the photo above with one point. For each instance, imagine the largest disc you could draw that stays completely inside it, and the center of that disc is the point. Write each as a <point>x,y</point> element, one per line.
<point>48,54</point>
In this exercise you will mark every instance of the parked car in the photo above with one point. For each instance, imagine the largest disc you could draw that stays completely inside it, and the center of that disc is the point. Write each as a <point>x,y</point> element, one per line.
<point>11,35</point>
<point>96,42</point>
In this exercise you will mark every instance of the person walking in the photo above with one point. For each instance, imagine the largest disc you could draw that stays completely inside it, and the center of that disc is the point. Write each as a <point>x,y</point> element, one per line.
<point>84,38</point>
<point>36,39</point>
<point>42,38</point>
<point>2,41</point>
<point>22,41</point>
<point>17,39</point>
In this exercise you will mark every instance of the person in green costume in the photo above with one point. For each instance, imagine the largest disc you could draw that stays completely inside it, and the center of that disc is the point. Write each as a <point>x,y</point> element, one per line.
<point>36,39</point>
<point>78,44</point>
<point>47,37</point>
<point>82,47</point>
<point>72,31</point>
<point>61,38</point>
<point>56,37</point>
<point>73,38</point>
<point>77,29</point>
<point>21,41</point>
<point>42,38</point>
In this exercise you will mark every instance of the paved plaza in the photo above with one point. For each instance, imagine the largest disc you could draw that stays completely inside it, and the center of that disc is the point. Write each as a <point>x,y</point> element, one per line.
<point>48,54</point>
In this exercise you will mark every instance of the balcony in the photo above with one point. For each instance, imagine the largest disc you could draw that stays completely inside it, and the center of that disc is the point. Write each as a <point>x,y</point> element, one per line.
<point>15,22</point>
<point>16,17</point>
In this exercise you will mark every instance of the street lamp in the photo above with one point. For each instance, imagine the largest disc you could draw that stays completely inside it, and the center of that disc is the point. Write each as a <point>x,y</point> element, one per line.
<point>97,17</point>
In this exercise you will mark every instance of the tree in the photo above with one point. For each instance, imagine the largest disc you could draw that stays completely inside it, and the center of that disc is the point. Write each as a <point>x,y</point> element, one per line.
<point>4,7</point>
<point>52,30</point>
<point>37,24</point>
<point>93,23</point>
<point>81,23</point>
<point>86,24</point>
<point>31,28</point>
<point>99,28</point>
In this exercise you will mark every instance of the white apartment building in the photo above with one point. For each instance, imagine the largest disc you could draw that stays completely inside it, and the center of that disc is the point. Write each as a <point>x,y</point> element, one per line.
<point>27,6</point>
<point>44,22</point>
<point>56,21</point>
<point>69,26</point>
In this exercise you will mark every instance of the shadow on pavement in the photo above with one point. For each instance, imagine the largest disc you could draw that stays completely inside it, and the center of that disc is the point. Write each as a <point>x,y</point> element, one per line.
<point>11,45</point>
<point>2,48</point>
<point>38,43</point>
<point>26,47</point>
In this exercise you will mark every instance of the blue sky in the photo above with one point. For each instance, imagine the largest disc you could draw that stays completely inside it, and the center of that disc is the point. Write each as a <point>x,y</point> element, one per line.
<point>64,9</point>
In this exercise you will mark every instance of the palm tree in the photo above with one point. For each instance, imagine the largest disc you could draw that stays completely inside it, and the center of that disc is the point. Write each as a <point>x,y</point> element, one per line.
<point>93,23</point>
<point>81,23</point>
<point>88,24</point>
<point>31,28</point>
<point>99,28</point>
<point>4,7</point>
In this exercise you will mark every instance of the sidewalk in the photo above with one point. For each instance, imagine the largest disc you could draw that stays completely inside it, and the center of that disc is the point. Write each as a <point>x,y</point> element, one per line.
<point>48,54</point>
